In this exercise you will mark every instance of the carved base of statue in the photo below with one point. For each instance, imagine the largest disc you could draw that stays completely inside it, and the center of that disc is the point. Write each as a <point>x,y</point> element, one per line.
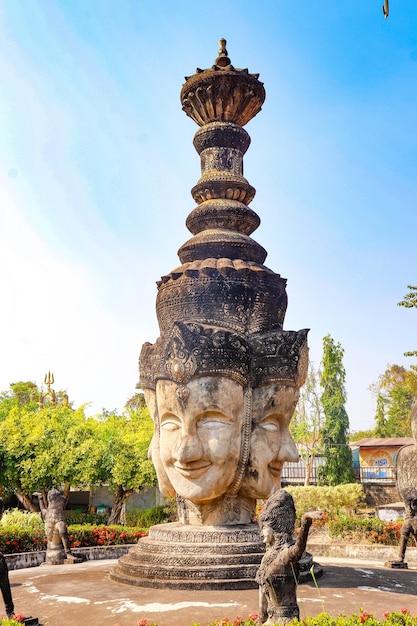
<point>178,556</point>
<point>307,567</point>
<point>55,554</point>
<point>396,564</point>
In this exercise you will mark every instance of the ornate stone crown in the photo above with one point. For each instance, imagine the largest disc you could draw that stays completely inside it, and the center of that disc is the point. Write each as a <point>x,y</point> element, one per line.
<point>222,311</point>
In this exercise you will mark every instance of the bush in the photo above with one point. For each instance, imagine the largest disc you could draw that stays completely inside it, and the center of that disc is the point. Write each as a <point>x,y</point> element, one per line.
<point>84,517</point>
<point>23,519</point>
<point>14,539</point>
<point>16,621</point>
<point>21,531</point>
<point>344,499</point>
<point>88,535</point>
<point>399,618</point>
<point>372,530</point>
<point>144,518</point>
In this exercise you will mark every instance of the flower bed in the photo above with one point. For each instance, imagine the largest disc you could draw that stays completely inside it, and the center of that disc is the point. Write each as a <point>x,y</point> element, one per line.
<point>88,535</point>
<point>15,539</point>
<point>401,618</point>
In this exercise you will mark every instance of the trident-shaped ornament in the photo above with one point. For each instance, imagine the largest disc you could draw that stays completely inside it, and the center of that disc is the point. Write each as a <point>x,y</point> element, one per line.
<point>50,393</point>
<point>49,380</point>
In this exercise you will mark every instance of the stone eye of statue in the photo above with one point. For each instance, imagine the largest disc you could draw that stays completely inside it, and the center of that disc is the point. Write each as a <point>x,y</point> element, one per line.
<point>270,424</point>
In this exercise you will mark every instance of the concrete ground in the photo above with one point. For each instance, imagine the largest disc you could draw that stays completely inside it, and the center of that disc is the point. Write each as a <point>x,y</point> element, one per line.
<point>83,594</point>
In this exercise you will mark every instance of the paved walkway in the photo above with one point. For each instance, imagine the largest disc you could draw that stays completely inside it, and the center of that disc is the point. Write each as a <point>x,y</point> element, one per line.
<point>84,595</point>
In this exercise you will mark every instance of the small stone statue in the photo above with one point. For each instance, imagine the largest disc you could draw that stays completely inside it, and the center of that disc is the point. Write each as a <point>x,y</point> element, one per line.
<point>409,527</point>
<point>58,548</point>
<point>406,481</point>
<point>278,573</point>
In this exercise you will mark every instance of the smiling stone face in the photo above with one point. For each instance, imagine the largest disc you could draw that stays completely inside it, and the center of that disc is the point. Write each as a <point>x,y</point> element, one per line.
<point>200,435</point>
<point>271,442</point>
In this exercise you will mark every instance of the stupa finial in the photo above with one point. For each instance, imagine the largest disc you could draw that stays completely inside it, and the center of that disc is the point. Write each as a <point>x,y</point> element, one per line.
<point>222,60</point>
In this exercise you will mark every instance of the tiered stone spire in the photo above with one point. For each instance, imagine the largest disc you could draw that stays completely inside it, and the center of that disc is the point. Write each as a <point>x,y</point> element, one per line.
<point>221,100</point>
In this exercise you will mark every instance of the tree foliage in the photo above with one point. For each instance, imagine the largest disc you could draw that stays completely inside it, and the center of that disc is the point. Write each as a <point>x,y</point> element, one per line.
<point>338,468</point>
<point>137,401</point>
<point>395,393</point>
<point>46,448</point>
<point>409,302</point>
<point>54,446</point>
<point>307,422</point>
<point>125,466</point>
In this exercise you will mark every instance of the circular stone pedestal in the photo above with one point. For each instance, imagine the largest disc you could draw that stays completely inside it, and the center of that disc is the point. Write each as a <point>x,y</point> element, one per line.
<point>178,556</point>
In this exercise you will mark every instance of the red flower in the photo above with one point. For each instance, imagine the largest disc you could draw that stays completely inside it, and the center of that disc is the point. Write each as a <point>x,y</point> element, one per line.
<point>405,611</point>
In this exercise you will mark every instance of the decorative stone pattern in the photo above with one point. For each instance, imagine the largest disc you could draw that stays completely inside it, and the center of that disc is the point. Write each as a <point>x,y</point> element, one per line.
<point>181,557</point>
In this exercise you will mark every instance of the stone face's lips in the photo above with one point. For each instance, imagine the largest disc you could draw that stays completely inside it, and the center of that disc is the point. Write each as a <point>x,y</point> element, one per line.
<point>191,471</point>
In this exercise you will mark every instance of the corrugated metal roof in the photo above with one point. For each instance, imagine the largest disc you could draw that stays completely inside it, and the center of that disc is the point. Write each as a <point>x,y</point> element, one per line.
<point>382,442</point>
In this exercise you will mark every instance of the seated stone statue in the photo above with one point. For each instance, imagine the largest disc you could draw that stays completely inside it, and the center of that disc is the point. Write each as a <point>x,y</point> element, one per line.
<point>278,573</point>
<point>58,547</point>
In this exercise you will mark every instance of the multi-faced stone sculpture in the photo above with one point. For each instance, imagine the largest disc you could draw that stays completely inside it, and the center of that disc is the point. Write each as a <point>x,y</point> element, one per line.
<point>223,379</point>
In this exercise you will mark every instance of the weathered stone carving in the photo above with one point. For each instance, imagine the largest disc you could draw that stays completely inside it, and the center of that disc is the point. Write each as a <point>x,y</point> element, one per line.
<point>406,478</point>
<point>58,546</point>
<point>222,380</point>
<point>278,573</point>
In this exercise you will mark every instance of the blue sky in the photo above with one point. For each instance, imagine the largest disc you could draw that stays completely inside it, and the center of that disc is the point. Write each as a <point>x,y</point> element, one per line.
<point>97,163</point>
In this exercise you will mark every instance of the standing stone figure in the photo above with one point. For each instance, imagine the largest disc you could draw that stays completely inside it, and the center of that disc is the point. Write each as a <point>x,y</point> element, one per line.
<point>406,479</point>
<point>278,573</point>
<point>409,528</point>
<point>58,547</point>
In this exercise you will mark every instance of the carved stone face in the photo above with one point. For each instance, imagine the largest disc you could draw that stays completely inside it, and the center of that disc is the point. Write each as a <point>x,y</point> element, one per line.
<point>271,442</point>
<point>199,435</point>
<point>267,534</point>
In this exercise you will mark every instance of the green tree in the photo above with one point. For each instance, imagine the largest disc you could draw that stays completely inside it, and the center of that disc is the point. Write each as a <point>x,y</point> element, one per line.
<point>48,447</point>
<point>137,401</point>
<point>395,393</point>
<point>125,466</point>
<point>380,416</point>
<point>338,468</point>
<point>20,393</point>
<point>307,422</point>
<point>361,434</point>
<point>409,302</point>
